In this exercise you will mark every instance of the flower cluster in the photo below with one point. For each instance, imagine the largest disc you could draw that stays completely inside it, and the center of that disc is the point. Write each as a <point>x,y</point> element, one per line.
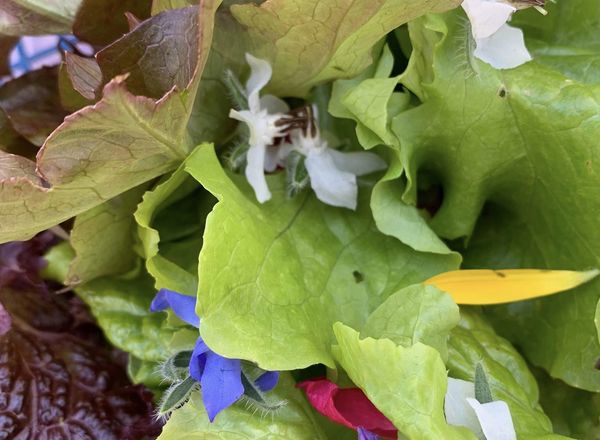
<point>352,408</point>
<point>332,173</point>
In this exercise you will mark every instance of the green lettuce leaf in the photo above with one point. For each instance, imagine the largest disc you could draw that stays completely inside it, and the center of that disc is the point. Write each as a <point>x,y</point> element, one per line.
<point>313,41</point>
<point>159,6</point>
<point>295,420</point>
<point>121,305</point>
<point>474,341</point>
<point>417,313</point>
<point>371,101</point>
<point>407,384</point>
<point>103,239</point>
<point>37,17</point>
<point>597,319</point>
<point>282,273</point>
<point>171,221</point>
<point>519,183</point>
<point>573,412</point>
<point>567,39</point>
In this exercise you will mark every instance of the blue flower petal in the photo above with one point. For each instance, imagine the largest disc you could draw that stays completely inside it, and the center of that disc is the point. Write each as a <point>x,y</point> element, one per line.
<point>364,434</point>
<point>198,359</point>
<point>267,381</point>
<point>221,383</point>
<point>159,303</point>
<point>184,306</point>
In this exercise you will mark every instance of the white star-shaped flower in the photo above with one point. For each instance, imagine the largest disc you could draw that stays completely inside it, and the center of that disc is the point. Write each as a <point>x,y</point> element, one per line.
<point>261,117</point>
<point>489,421</point>
<point>498,44</point>
<point>333,173</point>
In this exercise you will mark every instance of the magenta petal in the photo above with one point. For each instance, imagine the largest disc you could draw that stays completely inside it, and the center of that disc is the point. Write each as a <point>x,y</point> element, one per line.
<point>347,406</point>
<point>221,383</point>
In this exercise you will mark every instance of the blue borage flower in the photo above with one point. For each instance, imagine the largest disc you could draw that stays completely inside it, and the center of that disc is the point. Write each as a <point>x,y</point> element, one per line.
<point>219,377</point>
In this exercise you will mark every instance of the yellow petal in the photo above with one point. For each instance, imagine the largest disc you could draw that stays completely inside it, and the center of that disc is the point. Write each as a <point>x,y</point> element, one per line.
<point>503,286</point>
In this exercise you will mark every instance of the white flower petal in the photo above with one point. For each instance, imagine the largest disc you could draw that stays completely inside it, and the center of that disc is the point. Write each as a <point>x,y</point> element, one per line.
<point>255,172</point>
<point>487,16</point>
<point>260,74</point>
<point>495,419</point>
<point>457,409</point>
<point>273,104</point>
<point>332,186</point>
<point>271,159</point>
<point>357,162</point>
<point>504,50</point>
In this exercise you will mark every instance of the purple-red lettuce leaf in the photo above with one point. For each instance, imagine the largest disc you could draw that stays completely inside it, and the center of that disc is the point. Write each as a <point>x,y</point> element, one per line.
<point>120,142</point>
<point>59,378</point>
<point>101,22</point>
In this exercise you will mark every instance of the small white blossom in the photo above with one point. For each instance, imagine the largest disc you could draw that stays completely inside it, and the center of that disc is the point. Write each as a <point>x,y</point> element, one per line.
<point>261,117</point>
<point>498,44</point>
<point>333,173</point>
<point>489,421</point>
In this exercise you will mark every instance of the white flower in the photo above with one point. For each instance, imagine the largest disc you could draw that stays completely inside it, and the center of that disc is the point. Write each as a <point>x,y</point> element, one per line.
<point>498,44</point>
<point>261,117</point>
<point>489,421</point>
<point>333,173</point>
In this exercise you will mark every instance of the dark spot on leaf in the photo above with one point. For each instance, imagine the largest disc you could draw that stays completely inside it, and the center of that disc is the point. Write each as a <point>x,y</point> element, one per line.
<point>358,277</point>
<point>502,92</point>
<point>500,274</point>
<point>597,365</point>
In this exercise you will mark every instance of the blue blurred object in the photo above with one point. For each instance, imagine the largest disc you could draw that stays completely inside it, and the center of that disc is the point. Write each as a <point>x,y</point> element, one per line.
<point>32,53</point>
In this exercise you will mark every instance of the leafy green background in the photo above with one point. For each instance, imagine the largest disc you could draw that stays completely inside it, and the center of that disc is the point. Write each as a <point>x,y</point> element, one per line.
<point>515,152</point>
<point>273,278</point>
<point>313,41</point>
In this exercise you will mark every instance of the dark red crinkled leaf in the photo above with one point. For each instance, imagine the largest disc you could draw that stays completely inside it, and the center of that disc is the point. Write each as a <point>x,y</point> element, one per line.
<point>21,261</point>
<point>58,378</point>
<point>347,406</point>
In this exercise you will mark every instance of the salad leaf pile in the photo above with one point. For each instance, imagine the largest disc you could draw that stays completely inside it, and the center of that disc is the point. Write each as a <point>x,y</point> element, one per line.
<point>293,175</point>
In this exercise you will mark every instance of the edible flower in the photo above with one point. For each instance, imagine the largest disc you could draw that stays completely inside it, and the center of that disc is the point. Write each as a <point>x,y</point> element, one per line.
<point>263,118</point>
<point>219,377</point>
<point>349,407</point>
<point>352,408</point>
<point>489,420</point>
<point>498,44</point>
<point>333,173</point>
<point>485,286</point>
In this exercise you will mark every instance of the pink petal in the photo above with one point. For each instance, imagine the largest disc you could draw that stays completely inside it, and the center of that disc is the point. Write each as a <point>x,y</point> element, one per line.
<point>347,406</point>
